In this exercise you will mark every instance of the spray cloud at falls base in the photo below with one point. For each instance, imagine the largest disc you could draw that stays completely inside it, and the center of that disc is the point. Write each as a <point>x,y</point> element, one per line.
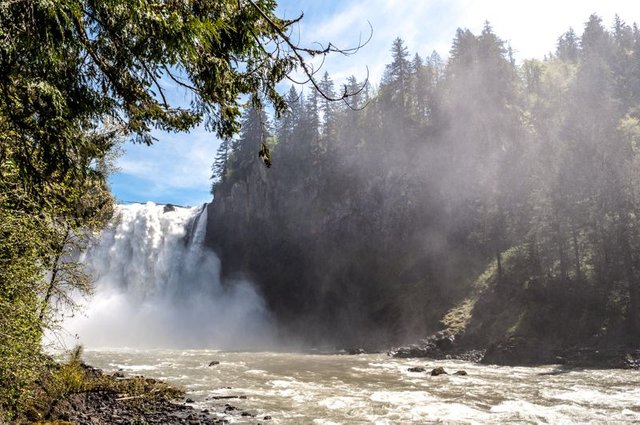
<point>158,286</point>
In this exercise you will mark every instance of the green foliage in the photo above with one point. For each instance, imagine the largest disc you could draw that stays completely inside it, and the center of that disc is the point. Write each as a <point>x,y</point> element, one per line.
<point>456,320</point>
<point>59,381</point>
<point>21,258</point>
<point>88,61</point>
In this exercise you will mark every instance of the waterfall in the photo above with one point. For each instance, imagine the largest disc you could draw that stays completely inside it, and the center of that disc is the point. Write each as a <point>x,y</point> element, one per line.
<point>157,285</point>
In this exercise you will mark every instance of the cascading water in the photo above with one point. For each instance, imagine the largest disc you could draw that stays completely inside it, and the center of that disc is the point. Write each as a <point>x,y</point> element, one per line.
<point>158,286</point>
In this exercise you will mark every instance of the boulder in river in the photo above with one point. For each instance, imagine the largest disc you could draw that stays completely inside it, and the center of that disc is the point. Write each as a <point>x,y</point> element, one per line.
<point>417,369</point>
<point>438,371</point>
<point>461,373</point>
<point>214,363</point>
<point>355,351</point>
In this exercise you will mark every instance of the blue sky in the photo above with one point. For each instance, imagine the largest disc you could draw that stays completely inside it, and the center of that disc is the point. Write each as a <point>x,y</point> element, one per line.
<point>176,169</point>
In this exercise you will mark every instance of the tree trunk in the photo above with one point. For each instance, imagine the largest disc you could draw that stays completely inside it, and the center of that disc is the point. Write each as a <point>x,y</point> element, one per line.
<point>560,245</point>
<point>55,267</point>
<point>576,252</point>
<point>499,264</point>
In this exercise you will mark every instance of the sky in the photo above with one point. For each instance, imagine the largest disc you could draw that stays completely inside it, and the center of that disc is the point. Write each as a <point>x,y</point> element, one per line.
<point>177,168</point>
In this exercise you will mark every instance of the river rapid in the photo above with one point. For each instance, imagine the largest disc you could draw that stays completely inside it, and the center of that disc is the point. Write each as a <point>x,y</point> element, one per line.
<point>307,388</point>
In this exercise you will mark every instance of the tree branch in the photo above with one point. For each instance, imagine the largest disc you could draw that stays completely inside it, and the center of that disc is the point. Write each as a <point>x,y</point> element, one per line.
<point>297,52</point>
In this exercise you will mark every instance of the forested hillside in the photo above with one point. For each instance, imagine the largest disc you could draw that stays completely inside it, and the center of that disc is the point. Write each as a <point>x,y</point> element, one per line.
<point>478,193</point>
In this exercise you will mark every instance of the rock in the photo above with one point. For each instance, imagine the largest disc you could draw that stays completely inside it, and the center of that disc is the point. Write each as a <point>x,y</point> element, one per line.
<point>118,375</point>
<point>444,341</point>
<point>168,208</point>
<point>438,346</point>
<point>473,356</point>
<point>520,351</point>
<point>214,363</point>
<point>438,371</point>
<point>245,414</point>
<point>409,351</point>
<point>106,407</point>
<point>94,372</point>
<point>189,400</point>
<point>356,351</point>
<point>266,418</point>
<point>417,369</point>
<point>226,397</point>
<point>461,373</point>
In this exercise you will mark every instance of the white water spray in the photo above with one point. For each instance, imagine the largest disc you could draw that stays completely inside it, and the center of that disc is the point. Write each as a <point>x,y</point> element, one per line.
<point>158,286</point>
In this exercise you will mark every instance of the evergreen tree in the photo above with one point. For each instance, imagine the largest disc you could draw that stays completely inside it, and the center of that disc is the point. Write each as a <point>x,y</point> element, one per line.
<point>220,166</point>
<point>308,130</point>
<point>568,48</point>
<point>286,125</point>
<point>436,63</point>
<point>254,130</point>
<point>356,101</point>
<point>327,108</point>
<point>396,76</point>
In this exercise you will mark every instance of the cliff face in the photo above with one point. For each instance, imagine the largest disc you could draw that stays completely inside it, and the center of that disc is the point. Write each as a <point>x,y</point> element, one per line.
<point>329,258</point>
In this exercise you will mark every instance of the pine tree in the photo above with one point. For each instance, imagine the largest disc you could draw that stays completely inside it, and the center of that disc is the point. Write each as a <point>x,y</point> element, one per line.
<point>355,101</point>
<point>567,48</point>
<point>254,130</point>
<point>436,63</point>
<point>423,81</point>
<point>395,80</point>
<point>220,166</point>
<point>308,131</point>
<point>327,107</point>
<point>285,126</point>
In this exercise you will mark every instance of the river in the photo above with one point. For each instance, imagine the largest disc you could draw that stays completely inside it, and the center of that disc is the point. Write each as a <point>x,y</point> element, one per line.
<point>303,388</point>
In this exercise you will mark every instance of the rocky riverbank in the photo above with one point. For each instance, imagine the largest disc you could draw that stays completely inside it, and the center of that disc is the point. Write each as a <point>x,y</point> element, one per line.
<point>119,399</point>
<point>521,351</point>
<point>103,407</point>
<point>517,351</point>
<point>440,346</point>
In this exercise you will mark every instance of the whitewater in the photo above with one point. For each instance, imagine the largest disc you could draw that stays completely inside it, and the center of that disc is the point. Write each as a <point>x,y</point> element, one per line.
<point>161,309</point>
<point>156,285</point>
<point>307,388</point>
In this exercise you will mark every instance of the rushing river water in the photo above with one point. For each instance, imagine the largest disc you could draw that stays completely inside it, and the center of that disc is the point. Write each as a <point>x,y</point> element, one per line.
<point>374,388</point>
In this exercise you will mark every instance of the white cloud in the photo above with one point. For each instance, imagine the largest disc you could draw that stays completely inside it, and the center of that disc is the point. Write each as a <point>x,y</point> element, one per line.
<point>531,27</point>
<point>424,26</point>
<point>175,161</point>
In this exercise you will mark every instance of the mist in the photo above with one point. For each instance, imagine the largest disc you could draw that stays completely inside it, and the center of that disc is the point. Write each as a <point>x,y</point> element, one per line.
<point>465,189</point>
<point>157,286</point>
